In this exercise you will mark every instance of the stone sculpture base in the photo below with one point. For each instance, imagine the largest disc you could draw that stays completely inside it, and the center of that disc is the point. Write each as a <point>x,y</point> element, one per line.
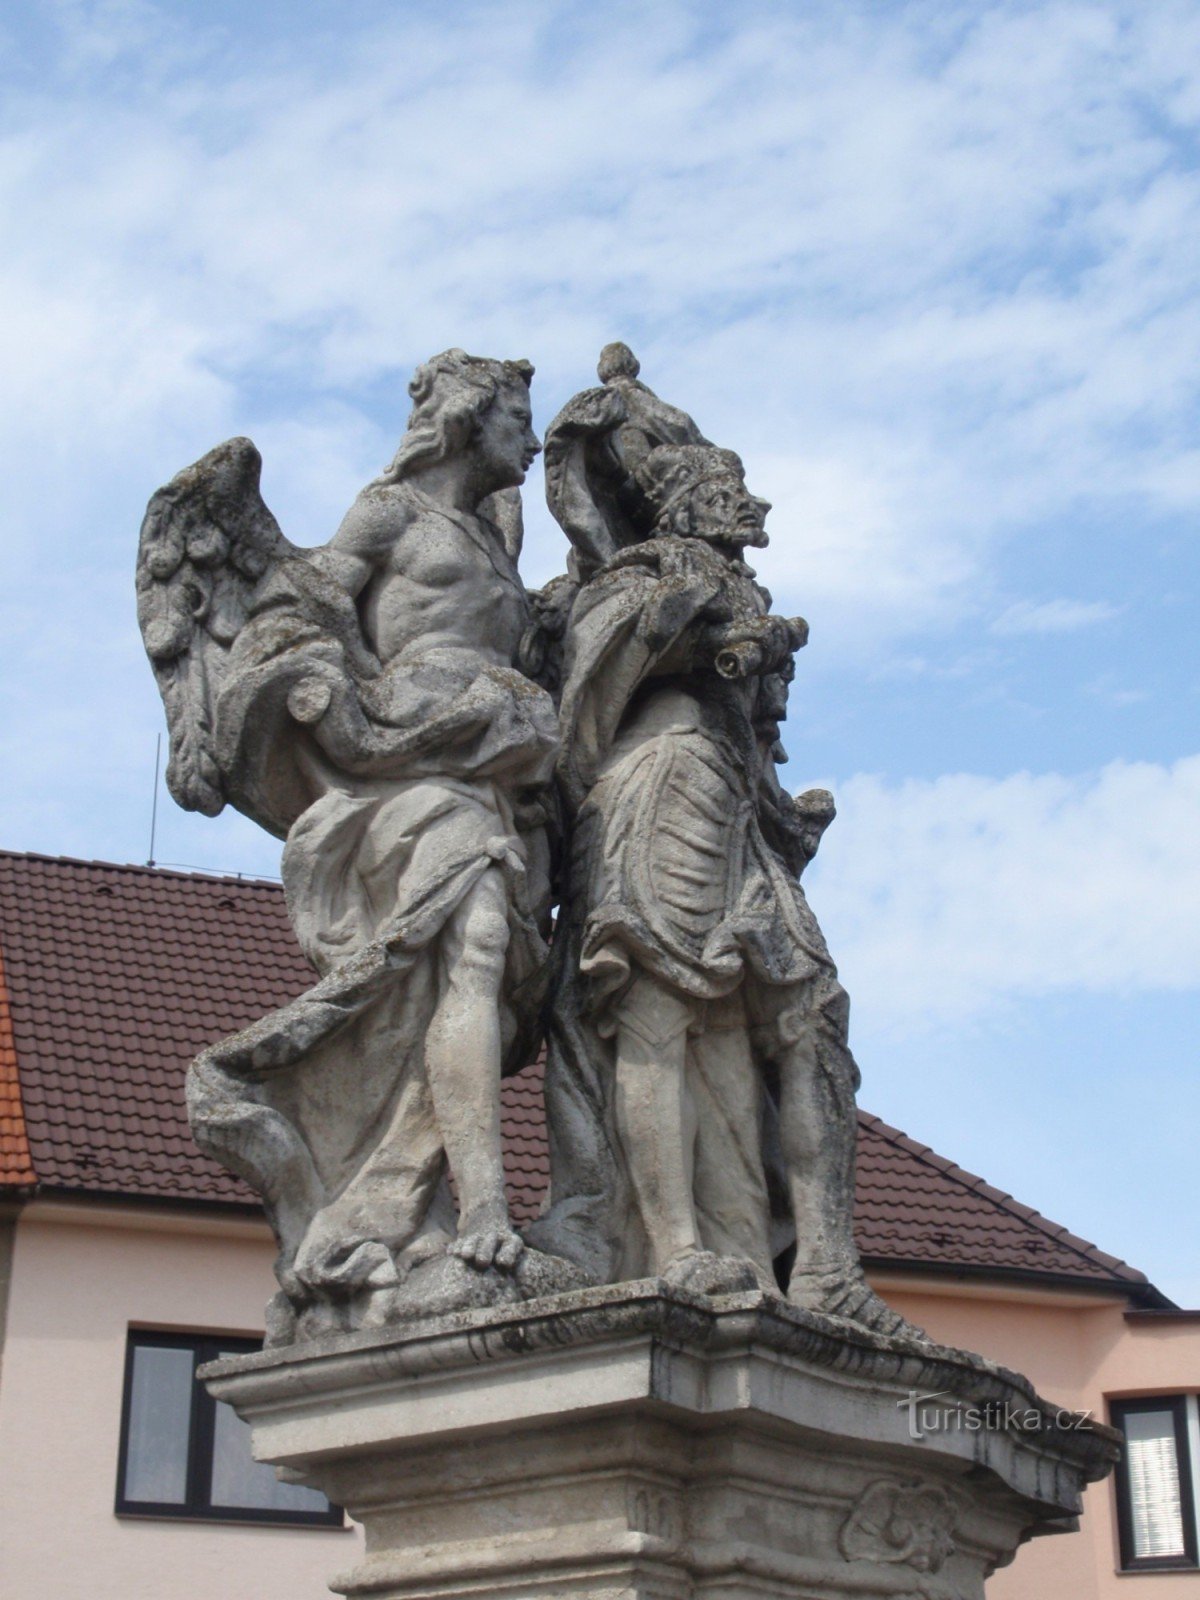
<point>632,1442</point>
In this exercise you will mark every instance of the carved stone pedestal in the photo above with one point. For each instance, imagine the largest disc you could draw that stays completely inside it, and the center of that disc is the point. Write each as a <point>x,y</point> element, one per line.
<point>629,1442</point>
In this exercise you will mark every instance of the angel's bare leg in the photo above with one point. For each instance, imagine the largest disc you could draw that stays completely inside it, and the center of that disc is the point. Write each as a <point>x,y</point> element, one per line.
<point>462,1058</point>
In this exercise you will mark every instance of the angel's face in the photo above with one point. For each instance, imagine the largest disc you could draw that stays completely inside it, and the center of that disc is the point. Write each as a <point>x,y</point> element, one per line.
<point>506,442</point>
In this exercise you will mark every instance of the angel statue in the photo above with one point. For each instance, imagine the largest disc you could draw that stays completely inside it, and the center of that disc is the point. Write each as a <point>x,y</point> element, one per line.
<point>700,1089</point>
<point>366,702</point>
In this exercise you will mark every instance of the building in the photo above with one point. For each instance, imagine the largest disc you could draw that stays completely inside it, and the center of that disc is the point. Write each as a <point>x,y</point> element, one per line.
<point>126,1256</point>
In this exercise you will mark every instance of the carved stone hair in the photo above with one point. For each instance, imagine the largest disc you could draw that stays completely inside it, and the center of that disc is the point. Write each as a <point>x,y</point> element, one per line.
<point>451,394</point>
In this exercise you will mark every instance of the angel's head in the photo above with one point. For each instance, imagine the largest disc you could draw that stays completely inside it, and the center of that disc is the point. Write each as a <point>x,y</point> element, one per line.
<point>698,491</point>
<point>470,405</point>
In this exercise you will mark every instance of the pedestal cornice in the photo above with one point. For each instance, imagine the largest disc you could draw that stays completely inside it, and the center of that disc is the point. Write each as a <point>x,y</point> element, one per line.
<point>631,1441</point>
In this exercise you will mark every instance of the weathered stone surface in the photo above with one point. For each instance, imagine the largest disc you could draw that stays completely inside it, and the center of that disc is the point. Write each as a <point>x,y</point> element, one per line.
<point>700,1086</point>
<point>638,1441</point>
<point>385,704</point>
<point>367,702</point>
<point>430,741</point>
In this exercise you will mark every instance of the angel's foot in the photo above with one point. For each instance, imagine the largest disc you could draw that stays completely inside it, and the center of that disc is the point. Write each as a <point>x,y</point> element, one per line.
<point>844,1292</point>
<point>486,1238</point>
<point>702,1272</point>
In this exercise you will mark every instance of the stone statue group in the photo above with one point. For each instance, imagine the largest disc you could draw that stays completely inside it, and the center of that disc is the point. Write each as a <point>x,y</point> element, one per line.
<point>515,819</point>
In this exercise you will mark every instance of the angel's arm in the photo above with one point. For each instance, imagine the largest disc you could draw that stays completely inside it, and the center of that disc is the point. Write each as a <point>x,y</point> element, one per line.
<point>363,542</point>
<point>329,705</point>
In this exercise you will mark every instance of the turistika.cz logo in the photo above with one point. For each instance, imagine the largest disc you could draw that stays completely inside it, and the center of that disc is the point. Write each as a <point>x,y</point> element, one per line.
<point>939,1412</point>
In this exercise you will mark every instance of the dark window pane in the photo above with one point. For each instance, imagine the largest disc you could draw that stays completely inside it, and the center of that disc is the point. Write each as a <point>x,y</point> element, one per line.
<point>238,1481</point>
<point>1156,1512</point>
<point>160,1409</point>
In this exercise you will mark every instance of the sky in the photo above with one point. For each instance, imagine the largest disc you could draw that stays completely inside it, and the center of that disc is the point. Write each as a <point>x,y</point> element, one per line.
<point>931,268</point>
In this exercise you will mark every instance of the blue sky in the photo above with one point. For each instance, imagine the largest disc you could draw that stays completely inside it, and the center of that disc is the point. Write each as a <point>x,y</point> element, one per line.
<point>931,268</point>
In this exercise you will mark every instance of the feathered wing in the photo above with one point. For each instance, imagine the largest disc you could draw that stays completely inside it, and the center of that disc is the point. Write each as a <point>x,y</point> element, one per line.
<point>206,541</point>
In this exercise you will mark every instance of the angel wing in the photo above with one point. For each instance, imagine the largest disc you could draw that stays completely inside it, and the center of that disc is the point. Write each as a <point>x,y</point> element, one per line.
<point>206,542</point>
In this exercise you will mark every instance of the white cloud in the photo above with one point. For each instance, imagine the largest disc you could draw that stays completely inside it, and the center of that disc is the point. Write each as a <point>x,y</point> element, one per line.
<point>944,900</point>
<point>923,266</point>
<point>928,267</point>
<point>1053,616</point>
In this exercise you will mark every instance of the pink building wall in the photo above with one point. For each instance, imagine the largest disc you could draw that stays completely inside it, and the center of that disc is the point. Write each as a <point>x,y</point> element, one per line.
<point>1080,1351</point>
<point>83,1273</point>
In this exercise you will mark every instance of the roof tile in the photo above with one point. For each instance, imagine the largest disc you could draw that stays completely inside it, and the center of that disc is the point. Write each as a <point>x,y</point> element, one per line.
<point>118,975</point>
<point>16,1164</point>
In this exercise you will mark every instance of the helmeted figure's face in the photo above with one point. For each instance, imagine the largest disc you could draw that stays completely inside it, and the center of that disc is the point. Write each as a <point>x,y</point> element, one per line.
<point>723,511</point>
<point>506,443</point>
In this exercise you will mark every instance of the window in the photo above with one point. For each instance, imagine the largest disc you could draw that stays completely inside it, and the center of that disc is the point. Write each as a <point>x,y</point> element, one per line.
<point>185,1455</point>
<point>1157,1507</point>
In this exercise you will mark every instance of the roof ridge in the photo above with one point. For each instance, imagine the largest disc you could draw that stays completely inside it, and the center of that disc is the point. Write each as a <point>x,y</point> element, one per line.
<point>142,868</point>
<point>1084,1248</point>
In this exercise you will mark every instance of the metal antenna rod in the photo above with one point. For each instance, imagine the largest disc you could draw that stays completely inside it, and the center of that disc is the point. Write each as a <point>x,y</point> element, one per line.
<point>154,803</point>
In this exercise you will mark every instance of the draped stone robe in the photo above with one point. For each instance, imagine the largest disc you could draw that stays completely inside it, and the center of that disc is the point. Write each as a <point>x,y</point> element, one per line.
<point>674,869</point>
<point>410,784</point>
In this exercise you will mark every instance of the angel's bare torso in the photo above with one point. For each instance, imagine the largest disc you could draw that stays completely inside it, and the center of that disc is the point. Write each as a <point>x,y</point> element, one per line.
<point>426,578</point>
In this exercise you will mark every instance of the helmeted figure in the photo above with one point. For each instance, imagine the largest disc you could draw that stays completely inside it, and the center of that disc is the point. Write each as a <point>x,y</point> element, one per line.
<point>700,1088</point>
<point>366,701</point>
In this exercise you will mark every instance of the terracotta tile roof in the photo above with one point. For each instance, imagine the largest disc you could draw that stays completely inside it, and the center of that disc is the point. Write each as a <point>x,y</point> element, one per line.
<point>913,1205</point>
<point>526,1152</point>
<point>16,1164</point>
<point>118,975</point>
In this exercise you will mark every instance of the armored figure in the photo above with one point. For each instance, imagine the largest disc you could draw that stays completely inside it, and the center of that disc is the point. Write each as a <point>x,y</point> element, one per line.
<point>699,1084</point>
